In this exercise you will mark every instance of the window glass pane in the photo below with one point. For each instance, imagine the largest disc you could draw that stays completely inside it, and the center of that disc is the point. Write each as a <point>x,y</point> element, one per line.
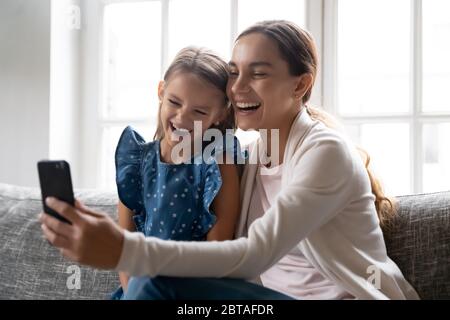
<point>388,147</point>
<point>436,55</point>
<point>373,56</point>
<point>110,137</point>
<point>436,157</point>
<point>251,11</point>
<point>132,59</point>
<point>202,23</point>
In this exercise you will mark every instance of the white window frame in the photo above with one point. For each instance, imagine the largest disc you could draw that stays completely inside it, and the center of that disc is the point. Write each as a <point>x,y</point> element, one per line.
<point>92,86</point>
<point>414,117</point>
<point>321,21</point>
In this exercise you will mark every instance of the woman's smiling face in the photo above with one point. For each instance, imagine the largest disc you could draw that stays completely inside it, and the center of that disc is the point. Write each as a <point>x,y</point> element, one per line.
<point>260,86</point>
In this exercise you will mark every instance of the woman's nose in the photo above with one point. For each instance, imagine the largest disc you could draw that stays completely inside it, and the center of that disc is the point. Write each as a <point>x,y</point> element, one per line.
<point>240,85</point>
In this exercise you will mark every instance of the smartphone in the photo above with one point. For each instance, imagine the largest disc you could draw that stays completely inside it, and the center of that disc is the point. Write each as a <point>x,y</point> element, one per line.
<point>55,181</point>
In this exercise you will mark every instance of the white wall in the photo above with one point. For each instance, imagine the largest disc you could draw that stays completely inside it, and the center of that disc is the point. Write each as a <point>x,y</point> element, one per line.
<point>65,87</point>
<point>90,135</point>
<point>24,88</point>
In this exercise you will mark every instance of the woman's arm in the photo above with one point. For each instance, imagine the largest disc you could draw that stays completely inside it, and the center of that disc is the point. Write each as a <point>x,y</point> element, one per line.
<point>321,185</point>
<point>322,182</point>
<point>127,223</point>
<point>226,205</point>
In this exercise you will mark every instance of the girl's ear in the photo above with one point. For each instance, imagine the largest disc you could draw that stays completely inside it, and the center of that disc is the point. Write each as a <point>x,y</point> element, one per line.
<point>303,84</point>
<point>161,90</point>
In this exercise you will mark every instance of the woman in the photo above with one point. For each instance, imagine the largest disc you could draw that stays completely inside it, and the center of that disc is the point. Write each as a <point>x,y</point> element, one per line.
<point>310,221</point>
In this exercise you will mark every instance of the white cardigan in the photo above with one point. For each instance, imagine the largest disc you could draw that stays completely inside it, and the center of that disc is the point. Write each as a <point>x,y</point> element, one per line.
<point>325,208</point>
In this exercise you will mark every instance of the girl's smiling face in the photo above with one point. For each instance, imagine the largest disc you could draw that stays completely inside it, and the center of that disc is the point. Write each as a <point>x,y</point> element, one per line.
<point>260,86</point>
<point>186,98</point>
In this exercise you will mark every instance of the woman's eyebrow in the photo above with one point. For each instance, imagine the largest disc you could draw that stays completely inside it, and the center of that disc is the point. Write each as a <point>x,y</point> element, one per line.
<point>253,64</point>
<point>260,64</point>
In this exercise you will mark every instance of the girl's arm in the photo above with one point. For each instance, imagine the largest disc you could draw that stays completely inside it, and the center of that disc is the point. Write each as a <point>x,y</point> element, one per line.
<point>226,205</point>
<point>127,223</point>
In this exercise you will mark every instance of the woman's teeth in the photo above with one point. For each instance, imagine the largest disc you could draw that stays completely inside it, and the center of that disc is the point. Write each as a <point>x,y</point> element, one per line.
<point>248,105</point>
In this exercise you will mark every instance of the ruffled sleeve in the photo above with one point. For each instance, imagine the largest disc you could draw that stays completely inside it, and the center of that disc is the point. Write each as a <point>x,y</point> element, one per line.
<point>212,179</point>
<point>128,160</point>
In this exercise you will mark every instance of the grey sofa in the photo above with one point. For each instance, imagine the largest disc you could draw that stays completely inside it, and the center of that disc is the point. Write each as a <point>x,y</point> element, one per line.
<point>419,242</point>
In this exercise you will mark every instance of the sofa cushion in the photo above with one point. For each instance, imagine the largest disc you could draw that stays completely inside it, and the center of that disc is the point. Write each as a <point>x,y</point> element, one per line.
<point>419,242</point>
<point>30,267</point>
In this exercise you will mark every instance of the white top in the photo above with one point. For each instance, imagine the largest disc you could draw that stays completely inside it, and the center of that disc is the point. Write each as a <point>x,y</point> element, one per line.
<point>325,208</point>
<point>293,274</point>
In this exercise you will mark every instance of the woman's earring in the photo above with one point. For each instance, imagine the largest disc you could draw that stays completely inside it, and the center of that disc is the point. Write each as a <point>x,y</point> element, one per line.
<point>217,123</point>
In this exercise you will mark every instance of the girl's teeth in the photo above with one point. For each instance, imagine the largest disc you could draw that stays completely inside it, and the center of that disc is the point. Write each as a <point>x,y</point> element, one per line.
<point>180,131</point>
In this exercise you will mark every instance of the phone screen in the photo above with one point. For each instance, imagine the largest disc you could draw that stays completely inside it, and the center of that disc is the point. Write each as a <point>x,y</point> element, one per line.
<point>55,181</point>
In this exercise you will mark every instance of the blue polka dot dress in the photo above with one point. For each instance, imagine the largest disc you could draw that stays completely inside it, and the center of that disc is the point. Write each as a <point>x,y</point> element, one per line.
<point>169,201</point>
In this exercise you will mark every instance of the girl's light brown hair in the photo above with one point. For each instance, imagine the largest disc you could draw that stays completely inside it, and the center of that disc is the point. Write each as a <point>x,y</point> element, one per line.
<point>209,67</point>
<point>298,49</point>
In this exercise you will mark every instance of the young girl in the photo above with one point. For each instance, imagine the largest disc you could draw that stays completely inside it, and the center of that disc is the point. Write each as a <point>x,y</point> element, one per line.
<point>181,201</point>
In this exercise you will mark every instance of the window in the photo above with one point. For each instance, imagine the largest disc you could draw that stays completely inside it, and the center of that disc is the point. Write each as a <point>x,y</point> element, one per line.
<point>388,83</point>
<point>131,72</point>
<point>436,53</point>
<point>189,25</point>
<point>384,73</point>
<point>133,65</point>
<point>251,11</point>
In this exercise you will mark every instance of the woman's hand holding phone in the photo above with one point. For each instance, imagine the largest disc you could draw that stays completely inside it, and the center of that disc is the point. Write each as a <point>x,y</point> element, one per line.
<point>82,235</point>
<point>92,238</point>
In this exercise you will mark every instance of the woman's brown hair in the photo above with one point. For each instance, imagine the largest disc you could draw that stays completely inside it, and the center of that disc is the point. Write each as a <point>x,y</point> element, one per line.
<point>209,67</point>
<point>298,49</point>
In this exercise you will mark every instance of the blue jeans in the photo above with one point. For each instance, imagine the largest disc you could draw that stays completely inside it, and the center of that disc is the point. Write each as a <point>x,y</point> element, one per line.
<point>171,288</point>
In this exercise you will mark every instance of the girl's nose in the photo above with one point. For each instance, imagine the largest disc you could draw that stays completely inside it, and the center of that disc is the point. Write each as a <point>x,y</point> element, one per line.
<point>182,114</point>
